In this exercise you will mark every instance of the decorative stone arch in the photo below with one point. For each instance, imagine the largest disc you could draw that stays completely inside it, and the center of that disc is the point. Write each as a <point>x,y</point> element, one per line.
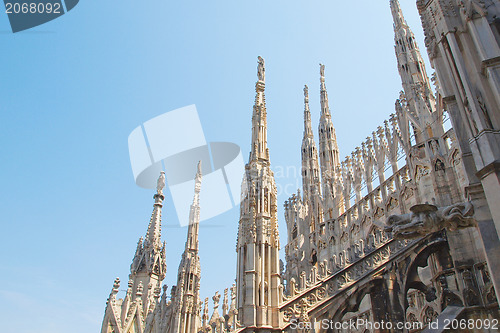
<point>349,302</point>
<point>392,202</point>
<point>412,317</point>
<point>454,157</point>
<point>354,230</point>
<point>445,181</point>
<point>421,170</point>
<point>375,236</point>
<point>344,238</point>
<point>373,229</point>
<point>439,164</point>
<point>420,259</point>
<point>342,221</point>
<point>379,213</point>
<point>428,314</point>
<point>313,257</point>
<point>294,231</point>
<point>366,222</point>
<point>408,191</point>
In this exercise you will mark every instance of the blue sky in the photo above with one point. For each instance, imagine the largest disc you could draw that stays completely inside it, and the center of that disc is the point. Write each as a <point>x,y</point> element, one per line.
<point>72,90</point>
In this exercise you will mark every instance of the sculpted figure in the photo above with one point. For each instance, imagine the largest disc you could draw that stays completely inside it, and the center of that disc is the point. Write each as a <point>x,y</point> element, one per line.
<point>216,299</point>
<point>261,70</point>
<point>425,219</point>
<point>160,184</point>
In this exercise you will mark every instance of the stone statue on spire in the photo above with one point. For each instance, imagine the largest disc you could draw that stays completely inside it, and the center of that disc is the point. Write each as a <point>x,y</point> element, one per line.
<point>306,93</point>
<point>321,70</point>
<point>261,70</point>
<point>197,186</point>
<point>160,184</point>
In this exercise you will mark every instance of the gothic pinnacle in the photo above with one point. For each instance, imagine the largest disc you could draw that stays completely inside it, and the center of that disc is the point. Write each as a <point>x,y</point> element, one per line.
<point>194,214</point>
<point>259,118</point>
<point>153,235</point>
<point>397,13</point>
<point>307,114</point>
<point>325,110</point>
<point>197,186</point>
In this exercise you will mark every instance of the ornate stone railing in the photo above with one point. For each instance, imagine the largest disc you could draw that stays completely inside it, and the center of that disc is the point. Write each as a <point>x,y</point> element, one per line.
<point>376,198</point>
<point>321,287</point>
<point>370,161</point>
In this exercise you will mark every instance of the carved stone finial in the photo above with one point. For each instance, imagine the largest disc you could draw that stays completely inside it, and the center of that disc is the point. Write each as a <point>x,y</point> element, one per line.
<point>215,315</point>
<point>380,132</point>
<point>369,143</point>
<point>205,312</point>
<point>402,96</point>
<point>116,285</point>
<point>225,303</point>
<point>306,93</point>
<point>216,299</point>
<point>233,291</point>
<point>358,152</point>
<point>140,289</point>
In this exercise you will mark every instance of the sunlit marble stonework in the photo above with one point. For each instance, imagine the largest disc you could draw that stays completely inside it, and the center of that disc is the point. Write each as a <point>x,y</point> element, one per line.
<point>403,230</point>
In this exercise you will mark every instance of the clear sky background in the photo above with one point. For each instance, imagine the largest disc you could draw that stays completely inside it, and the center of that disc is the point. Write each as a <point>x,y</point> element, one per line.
<point>72,90</point>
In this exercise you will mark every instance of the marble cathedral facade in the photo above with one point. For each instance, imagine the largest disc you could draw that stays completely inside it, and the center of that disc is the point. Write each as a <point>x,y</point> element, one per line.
<point>404,230</point>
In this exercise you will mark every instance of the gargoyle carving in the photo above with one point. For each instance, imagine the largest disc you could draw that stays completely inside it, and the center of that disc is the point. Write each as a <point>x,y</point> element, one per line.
<point>425,219</point>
